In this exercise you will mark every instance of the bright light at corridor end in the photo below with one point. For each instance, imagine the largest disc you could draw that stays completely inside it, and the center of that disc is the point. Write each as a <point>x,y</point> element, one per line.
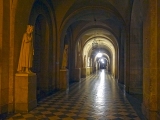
<point>102,60</point>
<point>99,54</point>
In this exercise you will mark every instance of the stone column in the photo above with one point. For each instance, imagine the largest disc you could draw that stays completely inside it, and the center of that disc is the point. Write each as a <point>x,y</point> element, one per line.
<point>121,58</point>
<point>91,70</point>
<point>77,70</point>
<point>150,60</point>
<point>158,62</point>
<point>25,92</point>
<point>77,74</point>
<point>136,62</point>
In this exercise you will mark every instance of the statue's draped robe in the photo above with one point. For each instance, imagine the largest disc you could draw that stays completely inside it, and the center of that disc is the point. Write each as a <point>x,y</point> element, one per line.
<point>65,57</point>
<point>26,53</point>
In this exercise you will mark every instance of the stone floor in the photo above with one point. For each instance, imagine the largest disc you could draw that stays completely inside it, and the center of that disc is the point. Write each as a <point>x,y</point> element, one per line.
<point>96,97</point>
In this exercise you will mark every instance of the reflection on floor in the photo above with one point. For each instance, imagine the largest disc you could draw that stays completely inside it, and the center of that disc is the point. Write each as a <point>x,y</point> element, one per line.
<point>96,97</point>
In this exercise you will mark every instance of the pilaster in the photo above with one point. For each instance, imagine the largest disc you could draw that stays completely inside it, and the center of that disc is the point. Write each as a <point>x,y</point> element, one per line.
<point>77,74</point>
<point>150,61</point>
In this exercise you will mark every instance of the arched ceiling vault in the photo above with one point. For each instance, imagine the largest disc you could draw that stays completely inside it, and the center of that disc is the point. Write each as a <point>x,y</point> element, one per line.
<point>114,6</point>
<point>98,15</point>
<point>106,42</point>
<point>102,44</point>
<point>98,34</point>
<point>107,45</point>
<point>87,22</point>
<point>105,56</point>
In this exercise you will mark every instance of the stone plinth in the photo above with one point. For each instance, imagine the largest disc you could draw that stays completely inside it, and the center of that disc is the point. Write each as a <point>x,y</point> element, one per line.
<point>85,72</point>
<point>64,79</point>
<point>25,92</point>
<point>77,74</point>
<point>88,71</point>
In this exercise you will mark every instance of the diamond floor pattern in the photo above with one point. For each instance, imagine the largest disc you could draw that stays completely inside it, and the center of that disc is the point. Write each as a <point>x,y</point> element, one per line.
<point>96,97</point>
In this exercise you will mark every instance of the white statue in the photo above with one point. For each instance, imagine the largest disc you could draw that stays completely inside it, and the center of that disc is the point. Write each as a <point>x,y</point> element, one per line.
<point>27,51</point>
<point>65,57</point>
<point>88,62</point>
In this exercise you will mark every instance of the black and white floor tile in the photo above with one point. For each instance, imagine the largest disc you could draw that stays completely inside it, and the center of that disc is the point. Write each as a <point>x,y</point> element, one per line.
<point>96,97</point>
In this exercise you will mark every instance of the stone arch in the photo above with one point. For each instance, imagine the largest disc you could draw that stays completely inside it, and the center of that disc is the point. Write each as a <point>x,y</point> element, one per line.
<point>104,64</point>
<point>21,17</point>
<point>41,55</point>
<point>42,17</point>
<point>113,39</point>
<point>73,16</point>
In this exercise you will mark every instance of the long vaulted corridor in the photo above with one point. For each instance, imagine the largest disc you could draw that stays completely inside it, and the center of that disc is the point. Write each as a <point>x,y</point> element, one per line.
<point>96,97</point>
<point>54,53</point>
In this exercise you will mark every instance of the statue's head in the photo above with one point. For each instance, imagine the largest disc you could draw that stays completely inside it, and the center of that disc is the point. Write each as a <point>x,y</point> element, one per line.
<point>29,29</point>
<point>66,47</point>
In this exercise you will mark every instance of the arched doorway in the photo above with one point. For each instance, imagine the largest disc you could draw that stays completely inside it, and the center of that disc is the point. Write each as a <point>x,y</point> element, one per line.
<point>41,55</point>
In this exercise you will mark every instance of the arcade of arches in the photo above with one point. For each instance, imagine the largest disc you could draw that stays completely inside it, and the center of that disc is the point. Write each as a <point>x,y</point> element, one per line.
<point>126,34</point>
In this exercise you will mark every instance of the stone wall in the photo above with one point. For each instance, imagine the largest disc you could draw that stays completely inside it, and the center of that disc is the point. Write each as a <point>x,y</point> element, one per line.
<point>4,55</point>
<point>150,60</point>
<point>136,47</point>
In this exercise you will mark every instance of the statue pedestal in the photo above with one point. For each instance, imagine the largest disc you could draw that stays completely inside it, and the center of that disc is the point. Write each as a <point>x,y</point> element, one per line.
<point>25,92</point>
<point>64,79</point>
<point>77,74</point>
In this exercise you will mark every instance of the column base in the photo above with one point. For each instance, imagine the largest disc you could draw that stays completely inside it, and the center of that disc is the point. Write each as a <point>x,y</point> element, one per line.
<point>150,114</point>
<point>25,107</point>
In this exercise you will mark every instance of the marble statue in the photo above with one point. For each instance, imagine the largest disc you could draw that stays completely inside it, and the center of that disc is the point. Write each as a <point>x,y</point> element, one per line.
<point>27,51</point>
<point>88,62</point>
<point>65,57</point>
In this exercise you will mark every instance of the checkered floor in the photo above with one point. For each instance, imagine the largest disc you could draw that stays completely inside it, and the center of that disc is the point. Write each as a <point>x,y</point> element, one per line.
<point>95,98</point>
